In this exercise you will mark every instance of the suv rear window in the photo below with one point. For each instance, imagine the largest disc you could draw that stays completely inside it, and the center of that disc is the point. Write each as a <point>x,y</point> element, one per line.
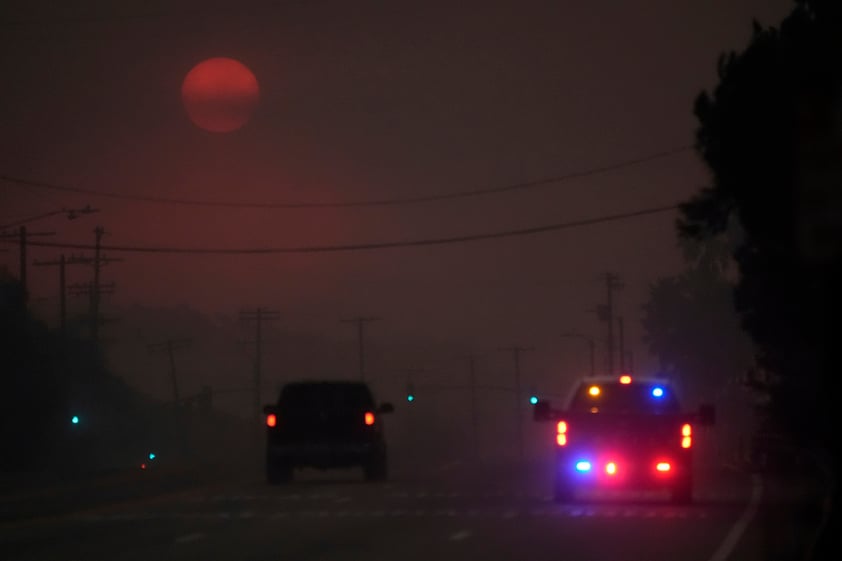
<point>326,395</point>
<point>634,398</point>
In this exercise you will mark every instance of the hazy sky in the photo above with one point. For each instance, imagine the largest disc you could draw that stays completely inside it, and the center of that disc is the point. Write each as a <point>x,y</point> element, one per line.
<point>367,100</point>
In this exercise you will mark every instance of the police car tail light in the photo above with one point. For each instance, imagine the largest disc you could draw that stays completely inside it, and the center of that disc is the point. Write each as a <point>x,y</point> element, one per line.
<point>561,433</point>
<point>368,418</point>
<point>271,420</point>
<point>686,435</point>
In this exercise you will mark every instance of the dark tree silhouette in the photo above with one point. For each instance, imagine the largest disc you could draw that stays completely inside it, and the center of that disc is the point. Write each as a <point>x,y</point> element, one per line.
<point>771,134</point>
<point>690,324</point>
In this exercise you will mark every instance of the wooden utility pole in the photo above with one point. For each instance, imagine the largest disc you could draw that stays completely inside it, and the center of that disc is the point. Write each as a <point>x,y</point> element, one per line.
<point>62,262</point>
<point>622,344</point>
<point>360,321</point>
<point>612,283</point>
<point>516,352</point>
<point>258,315</point>
<point>23,235</point>
<point>170,346</point>
<point>472,385</point>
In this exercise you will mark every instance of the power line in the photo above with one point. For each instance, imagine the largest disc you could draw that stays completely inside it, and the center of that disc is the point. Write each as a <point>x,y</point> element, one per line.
<point>542,182</point>
<point>369,246</point>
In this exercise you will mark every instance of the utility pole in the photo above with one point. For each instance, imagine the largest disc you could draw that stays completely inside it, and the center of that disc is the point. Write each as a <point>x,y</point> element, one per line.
<point>472,384</point>
<point>62,262</point>
<point>612,283</point>
<point>630,360</point>
<point>23,235</point>
<point>516,351</point>
<point>170,346</point>
<point>258,315</point>
<point>95,292</point>
<point>95,289</point>
<point>360,321</point>
<point>622,344</point>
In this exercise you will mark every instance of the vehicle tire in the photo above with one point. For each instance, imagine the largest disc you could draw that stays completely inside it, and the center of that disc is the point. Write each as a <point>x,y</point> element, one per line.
<point>682,492</point>
<point>562,491</point>
<point>376,468</point>
<point>278,473</point>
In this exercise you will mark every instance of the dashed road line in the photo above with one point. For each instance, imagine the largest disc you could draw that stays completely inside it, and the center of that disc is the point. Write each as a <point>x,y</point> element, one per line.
<point>460,535</point>
<point>187,538</point>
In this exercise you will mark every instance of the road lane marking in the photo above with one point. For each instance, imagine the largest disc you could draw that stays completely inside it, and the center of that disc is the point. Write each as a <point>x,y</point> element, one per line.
<point>733,537</point>
<point>187,538</point>
<point>460,535</point>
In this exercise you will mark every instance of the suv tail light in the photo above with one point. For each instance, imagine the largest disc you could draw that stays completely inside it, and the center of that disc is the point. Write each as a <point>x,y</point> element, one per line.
<point>686,435</point>
<point>271,420</point>
<point>561,436</point>
<point>369,418</point>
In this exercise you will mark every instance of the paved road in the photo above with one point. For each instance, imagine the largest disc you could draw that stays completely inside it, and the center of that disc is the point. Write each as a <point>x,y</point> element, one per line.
<point>455,511</point>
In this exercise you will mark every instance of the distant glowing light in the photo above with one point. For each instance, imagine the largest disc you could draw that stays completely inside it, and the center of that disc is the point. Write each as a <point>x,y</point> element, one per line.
<point>152,455</point>
<point>594,409</point>
<point>561,439</point>
<point>220,94</point>
<point>611,468</point>
<point>74,419</point>
<point>686,442</point>
<point>533,400</point>
<point>686,430</point>
<point>594,391</point>
<point>410,397</point>
<point>143,466</point>
<point>271,420</point>
<point>369,418</point>
<point>583,465</point>
<point>625,379</point>
<point>663,466</point>
<point>657,391</point>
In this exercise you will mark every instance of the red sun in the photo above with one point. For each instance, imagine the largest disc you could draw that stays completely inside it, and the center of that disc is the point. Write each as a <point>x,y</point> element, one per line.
<point>220,94</point>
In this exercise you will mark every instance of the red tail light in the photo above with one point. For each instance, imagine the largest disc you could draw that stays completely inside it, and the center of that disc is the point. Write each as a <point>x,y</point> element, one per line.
<point>663,466</point>
<point>686,435</point>
<point>611,468</point>
<point>561,436</point>
<point>369,418</point>
<point>271,420</point>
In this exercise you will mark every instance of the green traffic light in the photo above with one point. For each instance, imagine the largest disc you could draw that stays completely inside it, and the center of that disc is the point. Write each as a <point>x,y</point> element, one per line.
<point>533,400</point>
<point>74,419</point>
<point>410,397</point>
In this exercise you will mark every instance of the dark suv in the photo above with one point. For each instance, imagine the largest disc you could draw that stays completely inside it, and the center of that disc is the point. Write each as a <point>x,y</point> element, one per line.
<point>325,425</point>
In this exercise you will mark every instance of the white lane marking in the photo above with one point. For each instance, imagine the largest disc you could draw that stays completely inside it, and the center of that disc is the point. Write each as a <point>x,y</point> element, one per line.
<point>460,535</point>
<point>730,542</point>
<point>187,538</point>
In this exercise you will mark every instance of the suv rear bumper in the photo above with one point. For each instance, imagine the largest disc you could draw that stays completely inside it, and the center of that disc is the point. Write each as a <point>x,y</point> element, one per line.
<point>324,455</point>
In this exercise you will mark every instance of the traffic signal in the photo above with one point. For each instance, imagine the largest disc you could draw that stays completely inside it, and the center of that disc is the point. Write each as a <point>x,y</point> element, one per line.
<point>410,393</point>
<point>152,455</point>
<point>533,400</point>
<point>74,420</point>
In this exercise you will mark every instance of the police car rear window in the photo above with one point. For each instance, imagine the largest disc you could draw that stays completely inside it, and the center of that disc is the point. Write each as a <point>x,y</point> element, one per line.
<point>326,396</point>
<point>616,398</point>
